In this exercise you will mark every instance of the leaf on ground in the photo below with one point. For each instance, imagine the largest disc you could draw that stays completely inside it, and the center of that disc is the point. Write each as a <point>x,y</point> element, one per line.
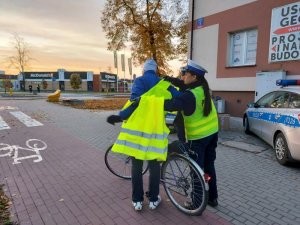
<point>100,104</point>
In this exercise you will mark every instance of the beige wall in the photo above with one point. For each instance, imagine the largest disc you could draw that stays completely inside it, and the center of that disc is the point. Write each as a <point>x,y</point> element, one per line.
<point>206,54</point>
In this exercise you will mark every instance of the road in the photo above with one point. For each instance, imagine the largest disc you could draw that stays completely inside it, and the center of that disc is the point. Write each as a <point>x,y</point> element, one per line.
<point>63,180</point>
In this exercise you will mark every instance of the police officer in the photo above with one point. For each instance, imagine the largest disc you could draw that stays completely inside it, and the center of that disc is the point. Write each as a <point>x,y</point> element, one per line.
<point>200,121</point>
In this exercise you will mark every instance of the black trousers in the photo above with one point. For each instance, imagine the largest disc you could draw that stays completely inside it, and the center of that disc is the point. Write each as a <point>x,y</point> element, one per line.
<point>137,180</point>
<point>206,155</point>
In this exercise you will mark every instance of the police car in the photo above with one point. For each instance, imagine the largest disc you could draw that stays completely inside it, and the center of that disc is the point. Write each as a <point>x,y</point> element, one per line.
<point>275,118</point>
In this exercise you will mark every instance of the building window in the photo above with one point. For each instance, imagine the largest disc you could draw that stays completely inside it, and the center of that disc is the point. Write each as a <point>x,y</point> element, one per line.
<point>243,48</point>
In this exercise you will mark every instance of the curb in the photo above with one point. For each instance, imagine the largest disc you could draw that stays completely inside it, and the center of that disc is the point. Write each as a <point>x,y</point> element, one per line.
<point>244,146</point>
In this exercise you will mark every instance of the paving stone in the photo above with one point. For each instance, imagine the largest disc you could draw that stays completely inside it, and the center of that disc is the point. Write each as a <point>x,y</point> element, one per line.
<point>243,146</point>
<point>251,182</point>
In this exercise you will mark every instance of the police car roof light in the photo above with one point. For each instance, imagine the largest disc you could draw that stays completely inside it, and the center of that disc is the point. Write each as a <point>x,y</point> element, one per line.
<point>285,83</point>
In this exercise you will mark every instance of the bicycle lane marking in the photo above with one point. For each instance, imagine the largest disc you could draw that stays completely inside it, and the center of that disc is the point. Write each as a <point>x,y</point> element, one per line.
<point>32,145</point>
<point>30,148</point>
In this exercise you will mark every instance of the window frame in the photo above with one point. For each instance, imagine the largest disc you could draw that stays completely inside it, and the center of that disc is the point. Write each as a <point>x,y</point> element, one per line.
<point>245,46</point>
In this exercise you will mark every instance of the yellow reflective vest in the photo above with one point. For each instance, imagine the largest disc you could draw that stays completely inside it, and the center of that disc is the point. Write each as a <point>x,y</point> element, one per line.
<point>145,134</point>
<point>196,125</point>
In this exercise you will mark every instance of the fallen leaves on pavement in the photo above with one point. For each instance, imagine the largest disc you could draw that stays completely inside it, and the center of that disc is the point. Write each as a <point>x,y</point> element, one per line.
<point>4,208</point>
<point>99,104</point>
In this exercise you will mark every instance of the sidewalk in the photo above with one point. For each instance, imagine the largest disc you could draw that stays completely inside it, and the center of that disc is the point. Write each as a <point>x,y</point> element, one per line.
<point>253,187</point>
<point>71,185</point>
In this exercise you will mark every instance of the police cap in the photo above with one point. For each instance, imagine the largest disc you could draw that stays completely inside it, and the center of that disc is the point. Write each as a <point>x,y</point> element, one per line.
<point>193,67</point>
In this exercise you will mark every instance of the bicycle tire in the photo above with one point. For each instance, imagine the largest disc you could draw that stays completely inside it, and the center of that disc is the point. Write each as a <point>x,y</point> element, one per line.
<point>120,164</point>
<point>180,175</point>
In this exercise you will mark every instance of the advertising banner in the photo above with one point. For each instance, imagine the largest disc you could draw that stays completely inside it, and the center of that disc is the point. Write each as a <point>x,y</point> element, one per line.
<point>123,62</point>
<point>285,33</point>
<point>116,59</point>
<point>130,66</point>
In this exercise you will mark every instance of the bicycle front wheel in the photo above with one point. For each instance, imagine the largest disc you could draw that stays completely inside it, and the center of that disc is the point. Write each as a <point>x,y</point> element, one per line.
<point>120,164</point>
<point>184,184</point>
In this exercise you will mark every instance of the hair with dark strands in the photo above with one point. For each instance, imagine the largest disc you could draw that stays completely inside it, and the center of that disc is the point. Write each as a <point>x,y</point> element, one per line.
<point>207,99</point>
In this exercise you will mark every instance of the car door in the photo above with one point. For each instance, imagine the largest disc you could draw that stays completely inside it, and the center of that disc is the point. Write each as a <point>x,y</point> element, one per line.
<point>258,113</point>
<point>275,110</point>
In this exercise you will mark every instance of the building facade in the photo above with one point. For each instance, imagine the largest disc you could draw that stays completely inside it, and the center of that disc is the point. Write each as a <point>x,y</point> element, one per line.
<point>246,46</point>
<point>50,81</point>
<point>8,81</point>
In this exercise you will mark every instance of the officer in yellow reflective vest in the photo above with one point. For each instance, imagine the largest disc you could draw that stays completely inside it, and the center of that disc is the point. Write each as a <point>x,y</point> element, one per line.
<point>200,122</point>
<point>144,133</point>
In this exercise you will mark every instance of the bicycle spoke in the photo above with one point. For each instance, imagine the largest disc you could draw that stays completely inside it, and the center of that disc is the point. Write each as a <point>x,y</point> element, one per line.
<point>177,192</point>
<point>184,185</point>
<point>180,169</point>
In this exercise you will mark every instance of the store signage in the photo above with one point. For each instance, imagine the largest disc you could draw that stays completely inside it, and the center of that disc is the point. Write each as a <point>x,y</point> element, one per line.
<point>285,33</point>
<point>40,75</point>
<point>108,77</point>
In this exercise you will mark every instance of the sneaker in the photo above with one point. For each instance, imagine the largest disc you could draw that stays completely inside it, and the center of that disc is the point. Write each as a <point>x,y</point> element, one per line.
<point>153,205</point>
<point>213,203</point>
<point>138,206</point>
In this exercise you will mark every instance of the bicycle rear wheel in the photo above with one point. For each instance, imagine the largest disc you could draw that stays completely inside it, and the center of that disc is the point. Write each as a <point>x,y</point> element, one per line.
<point>184,184</point>
<point>120,164</point>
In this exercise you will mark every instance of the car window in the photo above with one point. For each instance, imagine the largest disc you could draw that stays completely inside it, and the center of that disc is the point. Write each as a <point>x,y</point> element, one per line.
<point>266,100</point>
<point>294,101</point>
<point>281,100</point>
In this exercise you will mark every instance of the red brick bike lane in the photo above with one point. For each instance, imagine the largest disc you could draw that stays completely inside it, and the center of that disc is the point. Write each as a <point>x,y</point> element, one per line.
<point>55,178</point>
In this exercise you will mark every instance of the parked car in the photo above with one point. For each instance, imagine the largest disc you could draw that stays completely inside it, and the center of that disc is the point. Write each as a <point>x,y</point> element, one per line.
<point>275,118</point>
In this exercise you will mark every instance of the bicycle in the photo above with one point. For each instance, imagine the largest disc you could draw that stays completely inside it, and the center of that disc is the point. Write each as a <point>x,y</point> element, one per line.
<point>184,181</point>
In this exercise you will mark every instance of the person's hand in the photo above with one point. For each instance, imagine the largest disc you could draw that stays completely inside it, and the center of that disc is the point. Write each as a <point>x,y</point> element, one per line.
<point>112,119</point>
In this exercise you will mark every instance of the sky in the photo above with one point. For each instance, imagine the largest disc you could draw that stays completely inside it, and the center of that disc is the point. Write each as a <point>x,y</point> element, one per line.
<point>60,34</point>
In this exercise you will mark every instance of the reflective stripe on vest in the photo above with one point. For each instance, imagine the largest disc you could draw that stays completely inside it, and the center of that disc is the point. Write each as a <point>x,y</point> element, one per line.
<point>198,126</point>
<point>145,135</point>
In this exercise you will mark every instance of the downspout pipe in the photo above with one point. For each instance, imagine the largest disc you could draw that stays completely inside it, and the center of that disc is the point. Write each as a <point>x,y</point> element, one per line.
<point>192,29</point>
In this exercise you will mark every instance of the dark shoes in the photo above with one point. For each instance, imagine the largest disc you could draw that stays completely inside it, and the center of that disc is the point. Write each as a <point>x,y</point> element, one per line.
<point>213,203</point>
